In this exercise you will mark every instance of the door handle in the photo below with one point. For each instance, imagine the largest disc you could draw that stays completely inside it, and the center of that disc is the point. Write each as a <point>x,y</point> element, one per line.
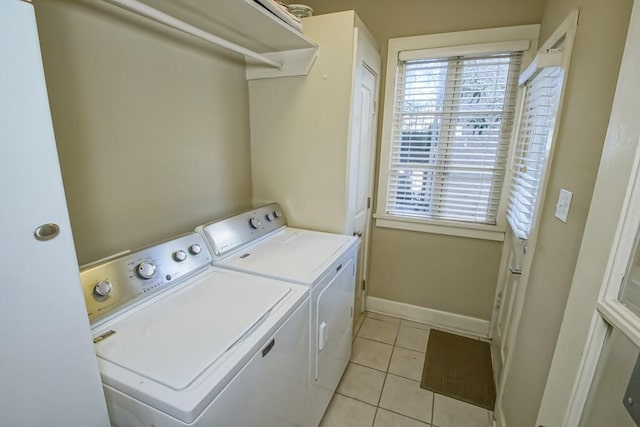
<point>357,233</point>
<point>322,336</point>
<point>268,348</point>
<point>46,232</point>
<point>515,270</point>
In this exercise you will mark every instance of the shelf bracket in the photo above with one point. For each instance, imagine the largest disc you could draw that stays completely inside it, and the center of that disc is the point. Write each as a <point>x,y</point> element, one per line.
<point>295,62</point>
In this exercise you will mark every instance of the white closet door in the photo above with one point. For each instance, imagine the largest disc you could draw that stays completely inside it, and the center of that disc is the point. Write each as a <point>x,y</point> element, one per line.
<point>48,369</point>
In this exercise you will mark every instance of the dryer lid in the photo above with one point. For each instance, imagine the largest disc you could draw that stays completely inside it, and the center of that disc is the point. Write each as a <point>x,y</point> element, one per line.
<point>173,340</point>
<point>291,254</point>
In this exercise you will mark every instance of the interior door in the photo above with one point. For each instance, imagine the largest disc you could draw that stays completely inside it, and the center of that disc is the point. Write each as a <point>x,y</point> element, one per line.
<point>48,369</point>
<point>365,122</point>
<point>534,139</point>
<point>511,273</point>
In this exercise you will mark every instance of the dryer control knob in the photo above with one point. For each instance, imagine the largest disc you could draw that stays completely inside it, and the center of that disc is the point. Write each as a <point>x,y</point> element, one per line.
<point>146,270</point>
<point>269,217</point>
<point>180,255</point>
<point>277,213</point>
<point>195,249</point>
<point>254,223</point>
<point>103,288</point>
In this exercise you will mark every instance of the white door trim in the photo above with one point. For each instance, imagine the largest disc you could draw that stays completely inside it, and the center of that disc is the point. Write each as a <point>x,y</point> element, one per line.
<point>366,56</point>
<point>609,310</point>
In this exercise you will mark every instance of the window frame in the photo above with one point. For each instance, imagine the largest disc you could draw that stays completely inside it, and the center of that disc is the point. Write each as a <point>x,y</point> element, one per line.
<point>443,45</point>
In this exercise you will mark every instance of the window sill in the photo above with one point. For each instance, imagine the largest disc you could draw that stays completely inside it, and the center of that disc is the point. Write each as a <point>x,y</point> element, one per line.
<point>472,231</point>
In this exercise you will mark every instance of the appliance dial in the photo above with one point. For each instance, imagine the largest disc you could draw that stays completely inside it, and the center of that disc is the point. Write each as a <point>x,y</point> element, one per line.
<point>103,288</point>
<point>180,255</point>
<point>277,213</point>
<point>254,222</point>
<point>195,249</point>
<point>269,216</point>
<point>146,270</point>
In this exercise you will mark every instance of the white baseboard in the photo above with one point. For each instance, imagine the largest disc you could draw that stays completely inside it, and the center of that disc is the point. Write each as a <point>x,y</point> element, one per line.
<point>450,321</point>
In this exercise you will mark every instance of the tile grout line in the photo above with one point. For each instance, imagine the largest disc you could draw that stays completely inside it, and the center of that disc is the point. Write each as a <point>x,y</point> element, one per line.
<point>365,366</point>
<point>355,398</point>
<point>433,407</point>
<point>407,416</point>
<point>375,415</point>
<point>387,373</point>
<point>386,343</point>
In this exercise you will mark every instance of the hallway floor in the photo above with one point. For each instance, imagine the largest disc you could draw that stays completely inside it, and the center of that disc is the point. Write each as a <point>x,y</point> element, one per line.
<point>381,386</point>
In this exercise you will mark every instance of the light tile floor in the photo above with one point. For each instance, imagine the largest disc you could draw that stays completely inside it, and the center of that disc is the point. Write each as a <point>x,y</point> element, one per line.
<point>381,386</point>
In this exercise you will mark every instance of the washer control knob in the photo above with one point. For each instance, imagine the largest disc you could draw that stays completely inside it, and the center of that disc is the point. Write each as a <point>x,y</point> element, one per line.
<point>254,223</point>
<point>146,270</point>
<point>277,213</point>
<point>103,288</point>
<point>269,216</point>
<point>195,249</point>
<point>180,255</point>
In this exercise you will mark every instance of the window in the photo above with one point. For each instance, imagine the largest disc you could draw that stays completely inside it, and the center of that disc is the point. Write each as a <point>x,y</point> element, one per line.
<point>535,133</point>
<point>447,123</point>
<point>451,130</point>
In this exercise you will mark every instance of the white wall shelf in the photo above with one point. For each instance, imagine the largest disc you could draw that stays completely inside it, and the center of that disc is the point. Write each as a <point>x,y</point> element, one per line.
<point>249,25</point>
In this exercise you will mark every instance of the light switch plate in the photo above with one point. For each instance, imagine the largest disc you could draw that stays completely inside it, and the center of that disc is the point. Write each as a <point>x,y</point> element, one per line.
<point>564,202</point>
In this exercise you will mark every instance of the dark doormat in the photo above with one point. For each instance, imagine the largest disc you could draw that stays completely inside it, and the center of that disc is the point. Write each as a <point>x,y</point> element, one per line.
<point>460,368</point>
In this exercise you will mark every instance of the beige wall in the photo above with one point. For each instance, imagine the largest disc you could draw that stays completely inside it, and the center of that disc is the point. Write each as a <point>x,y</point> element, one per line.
<point>299,147</point>
<point>151,127</point>
<point>450,274</point>
<point>402,18</point>
<point>615,172</point>
<point>591,82</point>
<point>592,79</point>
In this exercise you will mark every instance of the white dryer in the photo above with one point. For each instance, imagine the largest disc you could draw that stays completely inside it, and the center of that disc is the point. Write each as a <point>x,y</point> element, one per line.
<point>260,243</point>
<point>182,343</point>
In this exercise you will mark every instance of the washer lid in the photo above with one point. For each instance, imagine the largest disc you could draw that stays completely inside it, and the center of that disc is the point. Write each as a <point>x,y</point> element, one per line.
<point>173,340</point>
<point>292,254</point>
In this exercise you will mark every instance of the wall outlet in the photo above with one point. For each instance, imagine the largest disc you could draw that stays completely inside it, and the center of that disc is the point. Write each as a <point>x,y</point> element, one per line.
<point>564,202</point>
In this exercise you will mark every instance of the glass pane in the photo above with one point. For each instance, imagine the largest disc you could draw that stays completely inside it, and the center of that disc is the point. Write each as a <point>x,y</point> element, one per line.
<point>604,406</point>
<point>630,291</point>
<point>450,136</point>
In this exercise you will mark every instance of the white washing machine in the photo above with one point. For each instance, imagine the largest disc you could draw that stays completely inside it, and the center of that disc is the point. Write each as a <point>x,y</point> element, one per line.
<point>182,343</point>
<point>260,243</point>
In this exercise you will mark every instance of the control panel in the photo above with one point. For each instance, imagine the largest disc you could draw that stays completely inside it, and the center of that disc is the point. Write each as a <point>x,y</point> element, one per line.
<point>231,233</point>
<point>130,278</point>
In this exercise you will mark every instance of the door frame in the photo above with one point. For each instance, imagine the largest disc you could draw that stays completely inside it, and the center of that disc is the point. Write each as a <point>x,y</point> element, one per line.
<point>366,233</point>
<point>366,56</point>
<point>609,235</point>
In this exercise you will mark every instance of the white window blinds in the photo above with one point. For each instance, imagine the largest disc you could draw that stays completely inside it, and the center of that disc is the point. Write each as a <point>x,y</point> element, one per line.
<point>535,134</point>
<point>451,130</point>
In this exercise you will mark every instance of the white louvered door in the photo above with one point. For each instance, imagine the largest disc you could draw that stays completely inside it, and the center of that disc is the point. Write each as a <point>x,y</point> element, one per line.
<point>531,157</point>
<point>534,133</point>
<point>533,144</point>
